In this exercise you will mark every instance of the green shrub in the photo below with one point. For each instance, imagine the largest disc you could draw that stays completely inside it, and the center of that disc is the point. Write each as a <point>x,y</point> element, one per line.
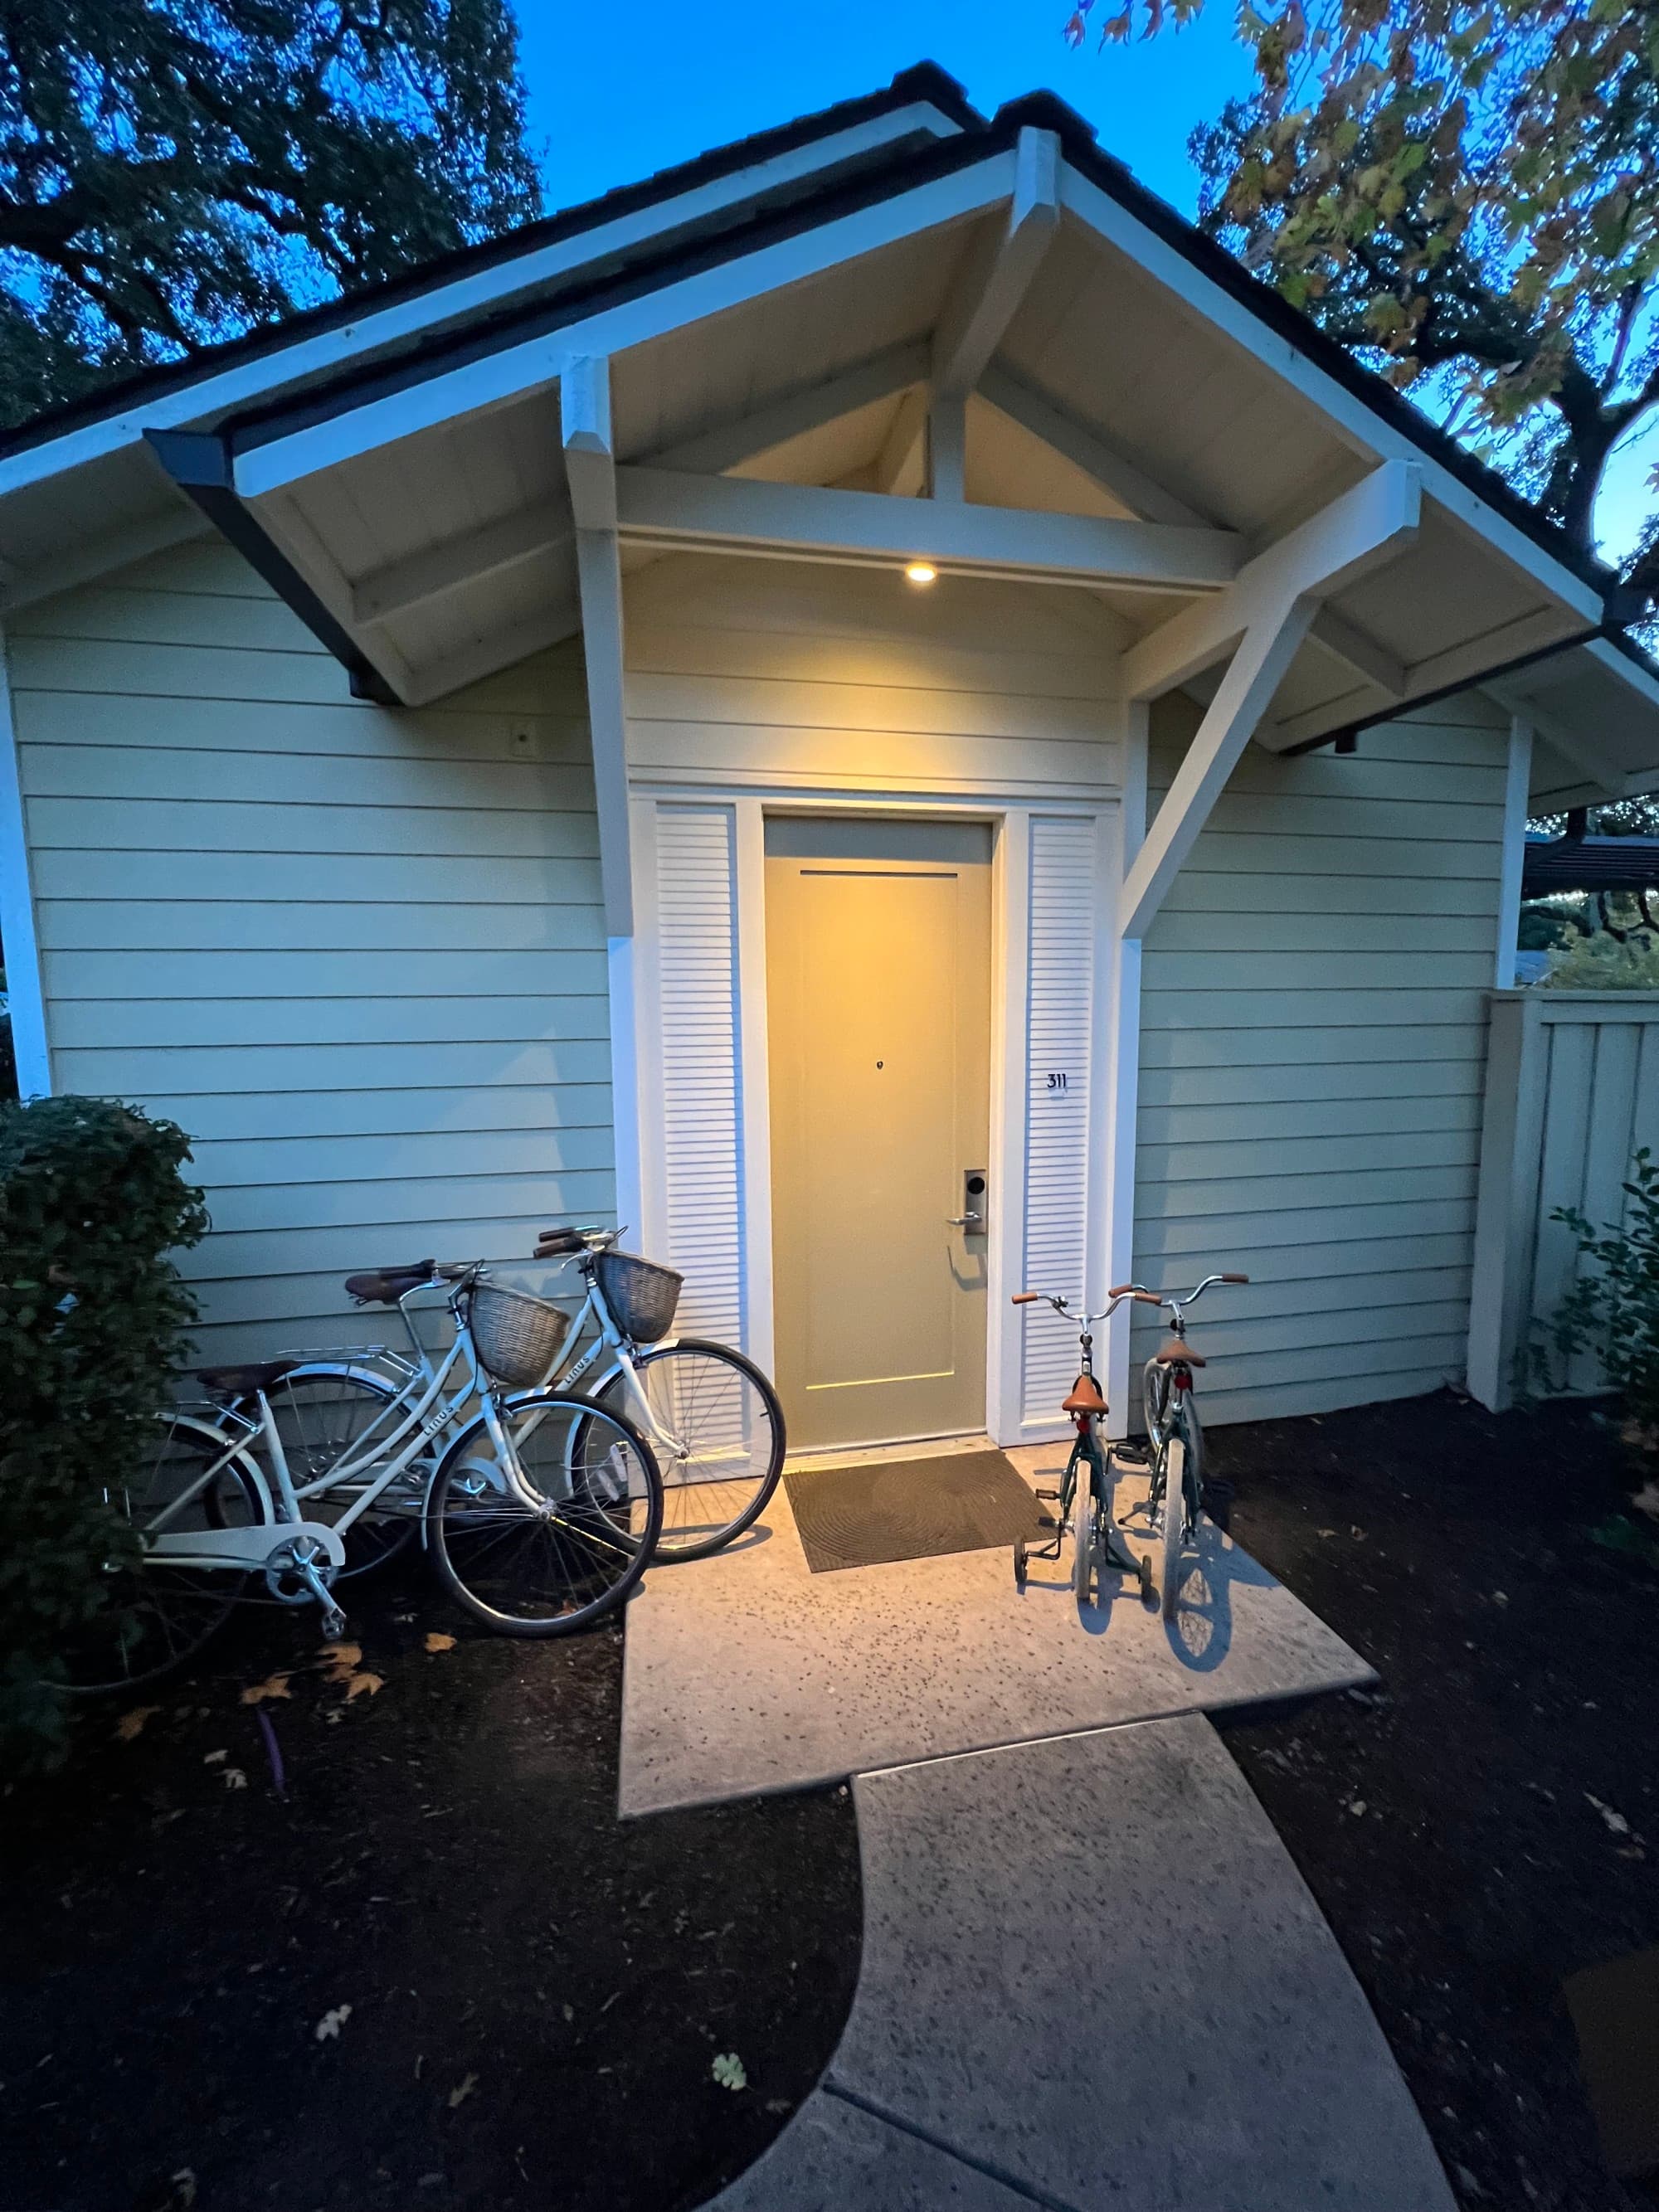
<point>93,1319</point>
<point>1602,963</point>
<point>1611,1311</point>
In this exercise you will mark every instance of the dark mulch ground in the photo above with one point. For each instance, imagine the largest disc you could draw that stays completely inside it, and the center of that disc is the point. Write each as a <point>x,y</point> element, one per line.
<point>1490,1820</point>
<point>537,1991</point>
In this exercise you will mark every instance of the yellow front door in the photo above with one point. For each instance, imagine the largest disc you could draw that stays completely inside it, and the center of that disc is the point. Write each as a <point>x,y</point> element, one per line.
<point>879,1015</point>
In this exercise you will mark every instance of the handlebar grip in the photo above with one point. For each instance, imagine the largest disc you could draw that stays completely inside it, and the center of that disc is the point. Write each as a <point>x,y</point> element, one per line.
<point>1235,1279</point>
<point>1024,1299</point>
<point>1120,1290</point>
<point>1147,1298</point>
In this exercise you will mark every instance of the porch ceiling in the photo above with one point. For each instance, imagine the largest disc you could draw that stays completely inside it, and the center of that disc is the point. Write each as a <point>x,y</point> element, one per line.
<point>424,513</point>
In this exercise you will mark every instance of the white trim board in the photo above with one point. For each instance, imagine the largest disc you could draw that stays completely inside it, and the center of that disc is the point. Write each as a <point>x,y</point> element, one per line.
<point>26,996</point>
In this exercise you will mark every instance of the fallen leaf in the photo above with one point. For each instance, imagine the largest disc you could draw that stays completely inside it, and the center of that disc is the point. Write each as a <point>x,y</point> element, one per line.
<point>1646,1500</point>
<point>213,1757</point>
<point>728,2070</point>
<point>463,2090</point>
<point>273,1686</point>
<point>183,2189</point>
<point>132,1725</point>
<point>234,1779</point>
<point>356,1685</point>
<point>436,1642</point>
<point>328,2028</point>
<point>1358,1808</point>
<point>340,1659</point>
<point>1616,1821</point>
<point>569,2011</point>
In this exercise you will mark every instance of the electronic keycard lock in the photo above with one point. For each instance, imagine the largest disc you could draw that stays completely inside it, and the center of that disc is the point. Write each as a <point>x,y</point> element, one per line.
<point>974,1218</point>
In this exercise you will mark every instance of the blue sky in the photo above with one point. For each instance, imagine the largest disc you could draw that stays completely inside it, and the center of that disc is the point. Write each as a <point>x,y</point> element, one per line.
<point>616,92</point>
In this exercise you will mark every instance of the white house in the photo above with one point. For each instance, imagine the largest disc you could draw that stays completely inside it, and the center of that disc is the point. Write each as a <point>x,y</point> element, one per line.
<point>476,758</point>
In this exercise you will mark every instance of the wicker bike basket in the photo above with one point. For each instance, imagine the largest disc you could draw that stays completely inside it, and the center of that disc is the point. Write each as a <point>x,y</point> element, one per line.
<point>640,1295</point>
<point>518,1337</point>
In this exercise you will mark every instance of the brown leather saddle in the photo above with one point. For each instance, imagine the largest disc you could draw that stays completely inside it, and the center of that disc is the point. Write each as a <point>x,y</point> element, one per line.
<point>1086,1397</point>
<point>1176,1351</point>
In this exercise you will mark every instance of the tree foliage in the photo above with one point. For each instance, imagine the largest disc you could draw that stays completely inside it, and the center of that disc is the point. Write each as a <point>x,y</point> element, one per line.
<point>173,172</point>
<point>1466,192</point>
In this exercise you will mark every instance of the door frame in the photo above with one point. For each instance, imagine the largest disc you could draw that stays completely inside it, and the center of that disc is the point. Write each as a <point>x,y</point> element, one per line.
<point>638,1049</point>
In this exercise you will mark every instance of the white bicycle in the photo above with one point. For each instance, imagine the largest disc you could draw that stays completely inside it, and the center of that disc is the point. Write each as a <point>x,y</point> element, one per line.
<point>540,1507</point>
<point>710,1416</point>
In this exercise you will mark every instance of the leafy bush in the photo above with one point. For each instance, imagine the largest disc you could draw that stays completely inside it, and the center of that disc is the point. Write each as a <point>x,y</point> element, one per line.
<point>1602,963</point>
<point>1611,1311</point>
<point>93,1319</point>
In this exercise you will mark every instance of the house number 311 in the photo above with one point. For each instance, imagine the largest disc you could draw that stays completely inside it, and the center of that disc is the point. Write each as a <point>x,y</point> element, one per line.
<point>1056,1082</point>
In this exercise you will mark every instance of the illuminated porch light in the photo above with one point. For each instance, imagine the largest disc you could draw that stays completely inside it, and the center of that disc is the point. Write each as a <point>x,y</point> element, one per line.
<point>919,572</point>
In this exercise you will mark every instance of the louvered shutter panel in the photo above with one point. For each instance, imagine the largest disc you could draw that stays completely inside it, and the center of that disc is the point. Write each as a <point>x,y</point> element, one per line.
<point>702,1117</point>
<point>1059,1014</point>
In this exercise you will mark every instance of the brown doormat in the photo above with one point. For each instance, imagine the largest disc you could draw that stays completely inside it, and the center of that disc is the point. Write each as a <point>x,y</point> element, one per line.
<point>908,1509</point>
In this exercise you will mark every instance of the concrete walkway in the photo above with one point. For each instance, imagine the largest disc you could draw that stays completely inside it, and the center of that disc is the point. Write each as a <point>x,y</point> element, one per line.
<point>748,1673</point>
<point>1092,1978</point>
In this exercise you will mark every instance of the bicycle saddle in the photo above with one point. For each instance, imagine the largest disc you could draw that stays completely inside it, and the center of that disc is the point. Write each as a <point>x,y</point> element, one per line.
<point>384,1287</point>
<point>243,1382</point>
<point>1086,1397</point>
<point>1172,1353</point>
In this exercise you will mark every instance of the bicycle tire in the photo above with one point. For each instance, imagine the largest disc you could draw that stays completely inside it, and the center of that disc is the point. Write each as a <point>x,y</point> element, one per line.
<point>568,1566</point>
<point>154,1618</point>
<point>1155,1401</point>
<point>724,1412</point>
<point>1174,1456</point>
<point>1084,1563</point>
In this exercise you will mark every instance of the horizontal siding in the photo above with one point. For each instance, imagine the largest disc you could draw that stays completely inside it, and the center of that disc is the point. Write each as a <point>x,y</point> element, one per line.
<point>358,955</point>
<point>807,678</point>
<point>1313,1048</point>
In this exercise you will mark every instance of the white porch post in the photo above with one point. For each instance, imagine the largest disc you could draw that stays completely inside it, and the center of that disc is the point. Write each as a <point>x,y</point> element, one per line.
<point>591,471</point>
<point>25,986</point>
<point>1123,1077</point>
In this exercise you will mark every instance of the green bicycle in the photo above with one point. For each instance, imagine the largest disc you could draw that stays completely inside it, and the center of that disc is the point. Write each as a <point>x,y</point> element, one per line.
<point>1084,1500</point>
<point>1174,1437</point>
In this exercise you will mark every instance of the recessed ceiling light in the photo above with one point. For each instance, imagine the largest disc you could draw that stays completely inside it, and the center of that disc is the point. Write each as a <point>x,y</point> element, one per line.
<point>919,572</point>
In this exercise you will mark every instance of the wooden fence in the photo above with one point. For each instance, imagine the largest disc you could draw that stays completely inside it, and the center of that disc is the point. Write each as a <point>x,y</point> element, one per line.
<point>1572,1093</point>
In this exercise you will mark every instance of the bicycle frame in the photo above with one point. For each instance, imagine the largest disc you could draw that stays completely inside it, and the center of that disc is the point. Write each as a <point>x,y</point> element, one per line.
<point>593,1308</point>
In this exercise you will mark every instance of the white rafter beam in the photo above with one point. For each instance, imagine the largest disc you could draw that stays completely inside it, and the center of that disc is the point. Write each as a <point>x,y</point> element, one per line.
<point>497,649</point>
<point>531,531</point>
<point>982,302</point>
<point>987,296</point>
<point>590,466</point>
<point>1268,646</point>
<point>1113,470</point>
<point>400,585</point>
<point>1368,525</point>
<point>1333,633</point>
<point>739,438</point>
<point>867,529</point>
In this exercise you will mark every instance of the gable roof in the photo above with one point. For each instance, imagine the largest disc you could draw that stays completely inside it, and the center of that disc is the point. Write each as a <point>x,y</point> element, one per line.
<point>580,271</point>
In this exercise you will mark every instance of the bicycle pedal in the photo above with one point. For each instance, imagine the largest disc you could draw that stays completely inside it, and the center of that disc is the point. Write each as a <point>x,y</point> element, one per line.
<point>1051,1496</point>
<point>1047,1521</point>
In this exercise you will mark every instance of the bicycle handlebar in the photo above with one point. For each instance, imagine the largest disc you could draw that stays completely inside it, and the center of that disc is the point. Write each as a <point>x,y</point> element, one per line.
<point>1120,1292</point>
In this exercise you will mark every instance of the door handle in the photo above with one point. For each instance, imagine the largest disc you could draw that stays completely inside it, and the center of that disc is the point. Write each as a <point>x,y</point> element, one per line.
<point>962,1220</point>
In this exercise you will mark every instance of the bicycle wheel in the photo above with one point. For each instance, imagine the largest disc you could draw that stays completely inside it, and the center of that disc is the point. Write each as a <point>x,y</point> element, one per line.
<point>1155,1399</point>
<point>154,1616</point>
<point>322,1411</point>
<point>562,1557</point>
<point>1175,1512</point>
<point>1086,1535</point>
<point>728,1427</point>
